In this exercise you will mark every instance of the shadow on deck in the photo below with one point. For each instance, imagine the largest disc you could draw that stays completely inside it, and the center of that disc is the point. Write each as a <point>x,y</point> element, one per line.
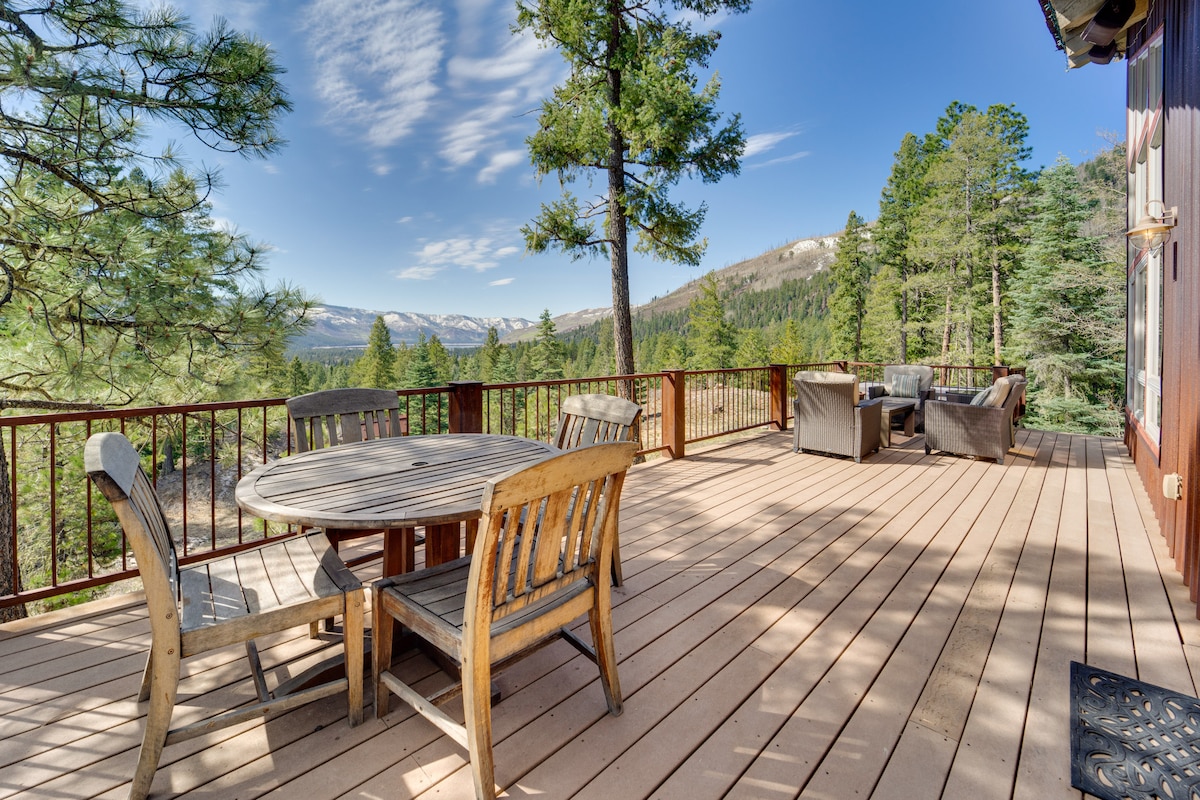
<point>791,625</point>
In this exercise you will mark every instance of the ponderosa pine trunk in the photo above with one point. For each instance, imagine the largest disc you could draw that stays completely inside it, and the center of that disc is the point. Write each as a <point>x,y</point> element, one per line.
<point>617,225</point>
<point>997,331</point>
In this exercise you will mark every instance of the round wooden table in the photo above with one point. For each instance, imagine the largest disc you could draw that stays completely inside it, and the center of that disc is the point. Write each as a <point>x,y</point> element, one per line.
<point>396,484</point>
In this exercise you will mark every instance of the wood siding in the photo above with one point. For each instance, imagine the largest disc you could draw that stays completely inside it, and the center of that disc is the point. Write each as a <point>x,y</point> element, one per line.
<point>1180,448</point>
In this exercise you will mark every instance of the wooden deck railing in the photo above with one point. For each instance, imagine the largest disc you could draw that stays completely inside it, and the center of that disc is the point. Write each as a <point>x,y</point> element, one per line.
<point>66,546</point>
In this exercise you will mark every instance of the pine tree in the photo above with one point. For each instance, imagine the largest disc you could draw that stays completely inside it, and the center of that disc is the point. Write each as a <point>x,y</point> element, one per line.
<point>629,109</point>
<point>1068,325</point>
<point>488,355</point>
<point>896,300</point>
<point>851,272</point>
<point>421,372</point>
<point>1001,221</point>
<point>752,350</point>
<point>968,226</point>
<point>440,360</point>
<point>297,378</point>
<point>789,349</point>
<point>376,369</point>
<point>548,350</point>
<point>711,338</point>
<point>114,244</point>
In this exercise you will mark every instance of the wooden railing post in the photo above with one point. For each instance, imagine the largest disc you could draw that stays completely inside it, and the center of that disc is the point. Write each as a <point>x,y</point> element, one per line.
<point>674,412</point>
<point>999,372</point>
<point>779,396</point>
<point>466,406</point>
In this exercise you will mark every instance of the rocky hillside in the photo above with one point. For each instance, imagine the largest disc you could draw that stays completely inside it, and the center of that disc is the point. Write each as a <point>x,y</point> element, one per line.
<point>797,260</point>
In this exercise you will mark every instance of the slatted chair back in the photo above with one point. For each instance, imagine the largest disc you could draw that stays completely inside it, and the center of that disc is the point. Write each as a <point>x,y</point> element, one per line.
<point>589,418</point>
<point>115,468</point>
<point>544,530</point>
<point>340,416</point>
<point>539,563</point>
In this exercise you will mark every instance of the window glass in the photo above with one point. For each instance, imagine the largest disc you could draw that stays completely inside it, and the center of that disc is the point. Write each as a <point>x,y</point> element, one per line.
<point>1145,137</point>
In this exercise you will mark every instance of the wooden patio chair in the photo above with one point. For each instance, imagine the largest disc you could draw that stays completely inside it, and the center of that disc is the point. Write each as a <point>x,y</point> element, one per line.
<point>339,416</point>
<point>524,583</point>
<point>586,419</point>
<point>228,600</point>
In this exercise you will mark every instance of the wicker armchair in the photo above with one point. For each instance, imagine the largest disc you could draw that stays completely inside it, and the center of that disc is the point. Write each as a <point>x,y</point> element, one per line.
<point>988,430</point>
<point>829,418</point>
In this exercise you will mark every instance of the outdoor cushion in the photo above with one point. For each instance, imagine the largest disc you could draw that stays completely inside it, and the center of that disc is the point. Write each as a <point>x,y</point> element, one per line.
<point>999,393</point>
<point>923,371</point>
<point>984,397</point>
<point>829,377</point>
<point>905,386</point>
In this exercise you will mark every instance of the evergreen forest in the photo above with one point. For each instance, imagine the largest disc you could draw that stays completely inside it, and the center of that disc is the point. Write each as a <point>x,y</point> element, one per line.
<point>972,259</point>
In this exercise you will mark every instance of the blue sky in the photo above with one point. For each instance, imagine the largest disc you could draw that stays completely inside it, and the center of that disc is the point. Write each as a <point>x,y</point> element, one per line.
<point>406,181</point>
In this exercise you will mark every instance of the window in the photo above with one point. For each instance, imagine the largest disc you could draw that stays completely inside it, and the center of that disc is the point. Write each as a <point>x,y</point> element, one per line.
<point>1145,138</point>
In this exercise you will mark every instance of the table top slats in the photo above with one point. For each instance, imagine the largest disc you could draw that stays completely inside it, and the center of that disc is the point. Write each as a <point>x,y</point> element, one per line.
<point>398,482</point>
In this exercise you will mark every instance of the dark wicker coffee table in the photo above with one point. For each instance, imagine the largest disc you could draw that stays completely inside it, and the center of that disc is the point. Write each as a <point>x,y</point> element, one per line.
<point>903,407</point>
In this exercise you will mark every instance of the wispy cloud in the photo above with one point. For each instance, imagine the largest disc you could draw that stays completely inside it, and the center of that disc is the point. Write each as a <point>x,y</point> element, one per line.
<point>479,254</point>
<point>224,225</point>
<point>497,79</point>
<point>418,273</point>
<point>782,160</point>
<point>378,60</point>
<point>760,143</point>
<point>500,162</point>
<point>501,282</point>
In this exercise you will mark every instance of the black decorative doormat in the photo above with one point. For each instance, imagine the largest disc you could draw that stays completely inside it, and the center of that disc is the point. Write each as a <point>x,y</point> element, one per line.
<point>1132,740</point>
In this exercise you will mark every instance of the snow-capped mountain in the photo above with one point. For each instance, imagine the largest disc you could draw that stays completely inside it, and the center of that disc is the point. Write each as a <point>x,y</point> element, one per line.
<point>338,326</point>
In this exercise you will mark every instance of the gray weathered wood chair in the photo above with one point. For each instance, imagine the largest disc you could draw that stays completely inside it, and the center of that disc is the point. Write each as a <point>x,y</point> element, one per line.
<point>589,418</point>
<point>339,416</point>
<point>523,584</point>
<point>227,600</point>
<point>586,419</point>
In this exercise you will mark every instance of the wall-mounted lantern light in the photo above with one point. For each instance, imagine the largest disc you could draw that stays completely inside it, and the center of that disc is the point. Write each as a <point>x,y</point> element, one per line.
<point>1153,230</point>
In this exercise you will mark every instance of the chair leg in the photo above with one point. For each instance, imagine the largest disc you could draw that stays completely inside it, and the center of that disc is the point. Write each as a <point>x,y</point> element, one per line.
<point>477,714</point>
<point>147,676</point>
<point>164,687</point>
<point>600,621</point>
<point>314,627</point>
<point>352,643</point>
<point>617,578</point>
<point>381,650</point>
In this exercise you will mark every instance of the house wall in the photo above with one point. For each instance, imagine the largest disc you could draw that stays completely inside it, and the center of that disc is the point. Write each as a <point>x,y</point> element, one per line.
<point>1180,447</point>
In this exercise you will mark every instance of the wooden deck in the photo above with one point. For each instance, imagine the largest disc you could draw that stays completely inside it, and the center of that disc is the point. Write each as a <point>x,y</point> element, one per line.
<point>791,625</point>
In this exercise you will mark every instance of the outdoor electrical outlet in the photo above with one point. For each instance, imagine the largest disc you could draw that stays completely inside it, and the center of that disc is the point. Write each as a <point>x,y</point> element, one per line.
<point>1173,486</point>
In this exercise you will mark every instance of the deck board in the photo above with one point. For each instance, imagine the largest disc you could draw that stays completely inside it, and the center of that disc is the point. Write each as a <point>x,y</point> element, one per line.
<point>791,625</point>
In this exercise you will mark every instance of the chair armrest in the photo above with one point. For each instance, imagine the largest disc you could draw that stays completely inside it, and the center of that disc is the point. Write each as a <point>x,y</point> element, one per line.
<point>868,417</point>
<point>874,390</point>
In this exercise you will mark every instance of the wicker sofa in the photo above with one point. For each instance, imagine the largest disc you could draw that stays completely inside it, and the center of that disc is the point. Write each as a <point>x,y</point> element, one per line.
<point>829,418</point>
<point>986,429</point>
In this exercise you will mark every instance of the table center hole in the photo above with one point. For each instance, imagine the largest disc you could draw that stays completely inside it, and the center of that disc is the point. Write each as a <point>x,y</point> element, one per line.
<point>420,463</point>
